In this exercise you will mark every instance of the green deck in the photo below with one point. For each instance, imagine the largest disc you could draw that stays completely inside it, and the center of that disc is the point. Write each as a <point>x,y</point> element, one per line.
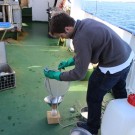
<point>22,109</point>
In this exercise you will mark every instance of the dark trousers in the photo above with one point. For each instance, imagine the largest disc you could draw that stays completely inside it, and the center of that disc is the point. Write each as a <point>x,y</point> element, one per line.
<point>99,84</point>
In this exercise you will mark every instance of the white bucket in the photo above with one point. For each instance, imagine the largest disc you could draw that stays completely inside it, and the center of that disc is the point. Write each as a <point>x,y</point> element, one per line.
<point>118,118</point>
<point>79,131</point>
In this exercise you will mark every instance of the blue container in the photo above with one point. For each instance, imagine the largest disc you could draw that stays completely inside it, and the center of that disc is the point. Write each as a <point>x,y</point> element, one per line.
<point>5,24</point>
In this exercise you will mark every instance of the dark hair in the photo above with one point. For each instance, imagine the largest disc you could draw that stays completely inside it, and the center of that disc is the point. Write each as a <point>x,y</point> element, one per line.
<point>59,21</point>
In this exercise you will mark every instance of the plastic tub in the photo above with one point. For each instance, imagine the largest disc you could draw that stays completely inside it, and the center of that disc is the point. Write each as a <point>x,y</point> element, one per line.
<point>118,118</point>
<point>79,131</point>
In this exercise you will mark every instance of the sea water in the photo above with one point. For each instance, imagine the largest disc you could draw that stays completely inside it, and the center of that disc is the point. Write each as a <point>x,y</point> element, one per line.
<point>121,14</point>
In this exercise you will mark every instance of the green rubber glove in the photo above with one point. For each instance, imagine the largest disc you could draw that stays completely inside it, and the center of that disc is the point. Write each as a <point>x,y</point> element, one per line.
<point>63,64</point>
<point>52,74</point>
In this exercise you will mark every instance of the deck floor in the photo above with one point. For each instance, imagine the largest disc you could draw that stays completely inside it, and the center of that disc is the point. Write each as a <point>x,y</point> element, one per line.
<point>22,109</point>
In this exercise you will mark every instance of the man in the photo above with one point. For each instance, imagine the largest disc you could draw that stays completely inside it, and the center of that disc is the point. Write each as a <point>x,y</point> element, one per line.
<point>96,43</point>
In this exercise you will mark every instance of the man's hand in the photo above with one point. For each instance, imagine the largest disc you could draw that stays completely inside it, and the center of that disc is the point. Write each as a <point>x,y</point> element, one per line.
<point>63,64</point>
<point>52,74</point>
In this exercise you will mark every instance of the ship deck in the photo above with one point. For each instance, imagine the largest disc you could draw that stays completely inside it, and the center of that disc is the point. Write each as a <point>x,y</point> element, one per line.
<point>22,109</point>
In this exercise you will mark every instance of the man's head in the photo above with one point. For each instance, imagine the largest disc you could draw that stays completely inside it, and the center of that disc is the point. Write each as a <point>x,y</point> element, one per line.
<point>62,25</point>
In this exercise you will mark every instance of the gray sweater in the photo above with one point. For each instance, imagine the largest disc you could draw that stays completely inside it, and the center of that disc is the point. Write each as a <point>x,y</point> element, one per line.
<point>94,43</point>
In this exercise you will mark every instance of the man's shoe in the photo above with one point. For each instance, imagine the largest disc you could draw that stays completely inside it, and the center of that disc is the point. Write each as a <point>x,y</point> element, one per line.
<point>84,125</point>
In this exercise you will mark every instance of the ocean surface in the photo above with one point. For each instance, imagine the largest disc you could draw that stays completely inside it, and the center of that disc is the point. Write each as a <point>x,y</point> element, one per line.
<point>121,14</point>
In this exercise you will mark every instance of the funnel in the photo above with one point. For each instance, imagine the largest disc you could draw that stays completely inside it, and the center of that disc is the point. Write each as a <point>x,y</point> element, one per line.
<point>53,100</point>
<point>56,90</point>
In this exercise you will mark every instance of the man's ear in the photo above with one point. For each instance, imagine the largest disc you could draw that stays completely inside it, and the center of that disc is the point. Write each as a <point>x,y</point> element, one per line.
<point>67,29</point>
